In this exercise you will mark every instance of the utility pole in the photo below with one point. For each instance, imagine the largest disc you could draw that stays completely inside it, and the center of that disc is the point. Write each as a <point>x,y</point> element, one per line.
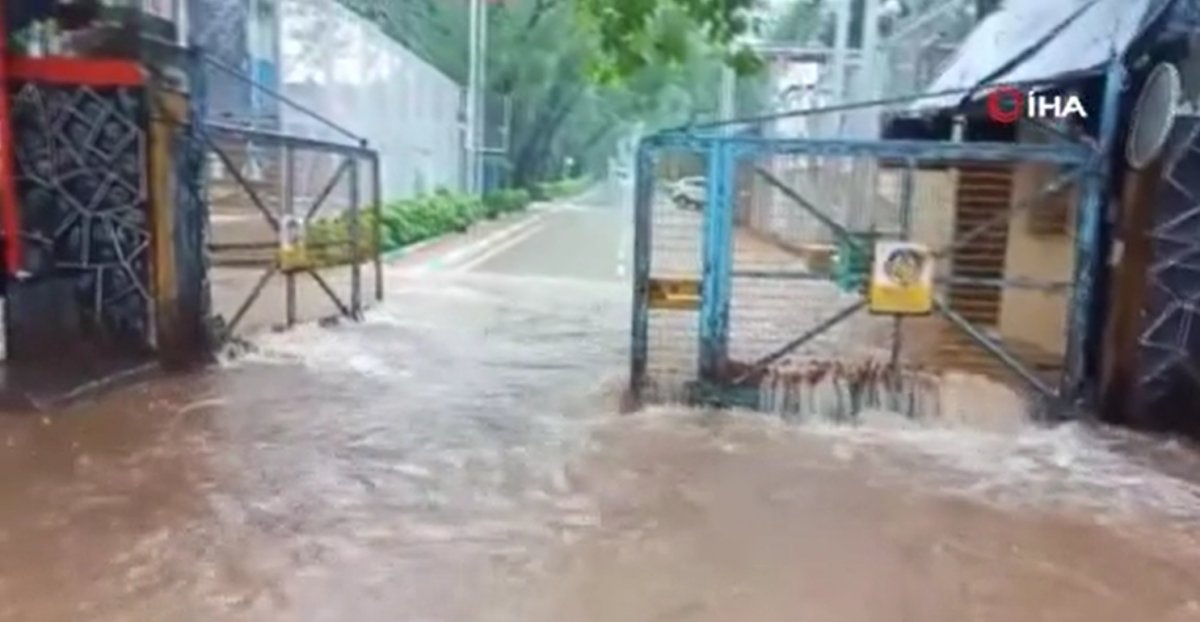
<point>482,91</point>
<point>728,96</point>
<point>841,43</point>
<point>471,135</point>
<point>869,76</point>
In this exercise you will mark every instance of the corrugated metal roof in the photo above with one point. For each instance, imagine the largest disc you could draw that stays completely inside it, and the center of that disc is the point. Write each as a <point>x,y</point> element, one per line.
<point>1086,43</point>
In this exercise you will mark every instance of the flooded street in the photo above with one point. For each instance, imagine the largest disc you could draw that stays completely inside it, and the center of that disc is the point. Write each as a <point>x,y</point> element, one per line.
<point>459,457</point>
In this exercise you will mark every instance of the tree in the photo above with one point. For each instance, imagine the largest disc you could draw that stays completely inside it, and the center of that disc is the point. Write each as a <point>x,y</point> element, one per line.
<point>635,34</point>
<point>580,73</point>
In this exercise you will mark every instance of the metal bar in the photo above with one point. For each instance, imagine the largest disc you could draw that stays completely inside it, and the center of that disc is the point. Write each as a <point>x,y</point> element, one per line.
<point>841,43</point>
<point>1064,136</point>
<point>1057,185</point>
<point>995,349</point>
<point>377,223</point>
<point>262,246</point>
<point>718,259</point>
<point>801,53</point>
<point>788,275</point>
<point>472,109</point>
<point>1087,314</point>
<point>799,199</point>
<point>289,208</point>
<point>917,22</point>
<point>480,95</point>
<point>906,206</point>
<point>328,189</point>
<point>888,101</point>
<point>241,180</point>
<point>1012,282</point>
<point>290,294</point>
<point>279,137</point>
<point>329,292</point>
<point>643,203</point>
<point>355,232</point>
<point>283,98</point>
<point>867,79</point>
<point>764,362</point>
<point>920,150</point>
<point>251,299</point>
<point>242,246</point>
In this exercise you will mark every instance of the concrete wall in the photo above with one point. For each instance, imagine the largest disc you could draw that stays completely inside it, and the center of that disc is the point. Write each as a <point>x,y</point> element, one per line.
<point>344,68</point>
<point>1029,316</point>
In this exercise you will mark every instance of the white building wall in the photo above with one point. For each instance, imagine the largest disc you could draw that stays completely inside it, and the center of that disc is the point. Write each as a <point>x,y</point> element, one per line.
<point>344,68</point>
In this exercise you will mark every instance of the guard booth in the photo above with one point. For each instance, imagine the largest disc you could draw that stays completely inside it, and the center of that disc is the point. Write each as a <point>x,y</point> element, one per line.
<point>829,277</point>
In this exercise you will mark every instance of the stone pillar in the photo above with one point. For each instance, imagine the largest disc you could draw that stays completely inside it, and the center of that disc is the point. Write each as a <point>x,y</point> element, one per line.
<point>79,140</point>
<point>109,181</point>
<point>179,210</point>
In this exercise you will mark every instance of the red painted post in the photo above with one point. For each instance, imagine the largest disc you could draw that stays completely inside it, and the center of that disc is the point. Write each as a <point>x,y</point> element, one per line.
<point>9,214</point>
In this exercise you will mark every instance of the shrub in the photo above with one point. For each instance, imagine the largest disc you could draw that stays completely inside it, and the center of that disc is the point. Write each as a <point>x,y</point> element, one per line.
<point>408,221</point>
<point>506,201</point>
<point>563,188</point>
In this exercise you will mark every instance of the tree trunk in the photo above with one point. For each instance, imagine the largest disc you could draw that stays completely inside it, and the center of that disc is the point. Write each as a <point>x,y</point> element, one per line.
<point>983,8</point>
<point>531,157</point>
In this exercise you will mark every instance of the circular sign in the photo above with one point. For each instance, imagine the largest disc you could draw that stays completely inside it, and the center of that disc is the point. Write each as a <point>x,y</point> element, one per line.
<point>905,266</point>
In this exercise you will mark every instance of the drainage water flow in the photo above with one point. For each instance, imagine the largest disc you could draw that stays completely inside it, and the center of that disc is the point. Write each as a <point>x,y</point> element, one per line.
<point>457,457</point>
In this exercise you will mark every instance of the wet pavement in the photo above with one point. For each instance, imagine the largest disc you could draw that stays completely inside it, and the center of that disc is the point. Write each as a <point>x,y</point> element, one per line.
<point>458,457</point>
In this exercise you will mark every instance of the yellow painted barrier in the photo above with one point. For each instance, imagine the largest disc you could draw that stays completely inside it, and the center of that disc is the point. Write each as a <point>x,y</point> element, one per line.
<point>674,294</point>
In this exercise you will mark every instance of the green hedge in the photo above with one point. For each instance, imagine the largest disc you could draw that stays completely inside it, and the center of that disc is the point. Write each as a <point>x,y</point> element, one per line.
<point>408,221</point>
<point>563,188</point>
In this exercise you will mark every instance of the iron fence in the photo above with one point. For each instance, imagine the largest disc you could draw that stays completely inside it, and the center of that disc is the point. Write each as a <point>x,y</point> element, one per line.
<point>302,209</point>
<point>760,294</point>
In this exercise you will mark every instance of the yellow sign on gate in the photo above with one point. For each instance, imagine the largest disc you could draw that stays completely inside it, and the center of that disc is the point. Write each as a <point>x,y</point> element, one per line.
<point>902,279</point>
<point>293,253</point>
<point>675,294</point>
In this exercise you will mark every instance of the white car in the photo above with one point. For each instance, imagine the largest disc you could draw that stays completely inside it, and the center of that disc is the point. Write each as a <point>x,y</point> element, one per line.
<point>690,193</point>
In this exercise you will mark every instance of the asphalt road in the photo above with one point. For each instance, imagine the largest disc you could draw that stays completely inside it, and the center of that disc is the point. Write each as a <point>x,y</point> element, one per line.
<point>589,238</point>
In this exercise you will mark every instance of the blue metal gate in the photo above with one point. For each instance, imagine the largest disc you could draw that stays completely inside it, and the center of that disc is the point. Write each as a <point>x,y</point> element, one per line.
<point>761,298</point>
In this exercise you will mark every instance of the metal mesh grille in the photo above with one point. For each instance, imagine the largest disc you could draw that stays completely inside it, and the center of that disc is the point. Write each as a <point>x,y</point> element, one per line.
<point>1001,279</point>
<point>675,253</point>
<point>256,184</point>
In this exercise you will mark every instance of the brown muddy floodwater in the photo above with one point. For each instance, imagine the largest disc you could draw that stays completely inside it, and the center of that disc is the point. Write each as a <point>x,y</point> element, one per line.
<point>457,458</point>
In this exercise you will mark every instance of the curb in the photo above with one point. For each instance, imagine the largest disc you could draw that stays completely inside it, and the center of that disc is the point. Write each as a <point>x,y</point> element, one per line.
<point>475,248</point>
<point>404,251</point>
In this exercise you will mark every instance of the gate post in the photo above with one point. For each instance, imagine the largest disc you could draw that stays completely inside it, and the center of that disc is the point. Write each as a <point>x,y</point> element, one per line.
<point>643,201</point>
<point>1086,320</point>
<point>179,209</point>
<point>717,279</point>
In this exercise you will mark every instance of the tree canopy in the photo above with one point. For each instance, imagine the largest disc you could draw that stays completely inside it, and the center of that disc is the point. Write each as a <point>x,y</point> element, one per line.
<point>579,75</point>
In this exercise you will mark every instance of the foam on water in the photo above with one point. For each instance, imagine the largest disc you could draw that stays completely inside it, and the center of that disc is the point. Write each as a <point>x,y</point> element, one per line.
<point>317,348</point>
<point>959,433</point>
<point>1069,467</point>
<point>993,454</point>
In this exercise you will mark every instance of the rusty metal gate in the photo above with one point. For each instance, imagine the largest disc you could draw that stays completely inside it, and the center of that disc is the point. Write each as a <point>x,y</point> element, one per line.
<point>289,206</point>
<point>773,295</point>
<point>286,206</point>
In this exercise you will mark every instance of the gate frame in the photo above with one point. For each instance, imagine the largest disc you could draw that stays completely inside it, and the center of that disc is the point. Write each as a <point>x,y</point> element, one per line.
<point>355,153</point>
<point>722,151</point>
<point>348,168</point>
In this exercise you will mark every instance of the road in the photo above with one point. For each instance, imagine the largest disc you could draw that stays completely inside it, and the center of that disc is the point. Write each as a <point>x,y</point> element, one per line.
<point>457,457</point>
<point>586,239</point>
